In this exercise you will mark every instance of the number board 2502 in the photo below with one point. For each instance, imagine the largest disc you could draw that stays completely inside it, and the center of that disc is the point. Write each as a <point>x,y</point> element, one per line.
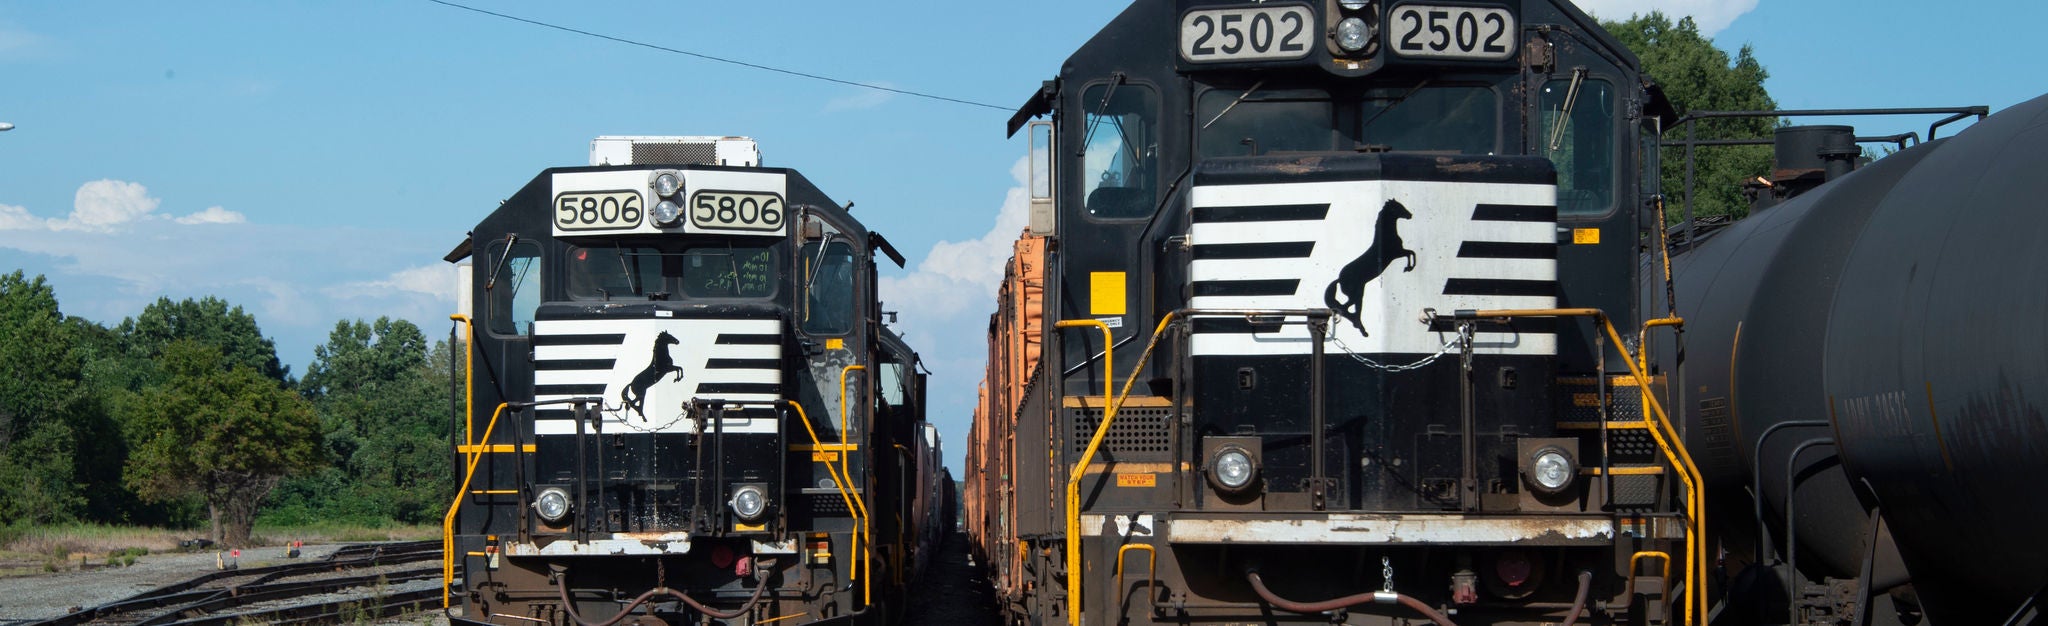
<point>1257,33</point>
<point>713,209</point>
<point>1452,32</point>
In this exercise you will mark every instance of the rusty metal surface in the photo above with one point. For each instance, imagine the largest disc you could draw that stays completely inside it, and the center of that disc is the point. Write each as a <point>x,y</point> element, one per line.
<point>1015,343</point>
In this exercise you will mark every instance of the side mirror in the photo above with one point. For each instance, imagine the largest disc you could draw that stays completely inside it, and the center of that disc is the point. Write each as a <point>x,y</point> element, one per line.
<point>1042,180</point>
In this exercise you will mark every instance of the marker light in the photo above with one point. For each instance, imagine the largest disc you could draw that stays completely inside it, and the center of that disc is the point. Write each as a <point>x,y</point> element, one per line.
<point>552,505</point>
<point>749,502</point>
<point>1551,470</point>
<point>667,184</point>
<point>666,213</point>
<point>1353,34</point>
<point>1232,468</point>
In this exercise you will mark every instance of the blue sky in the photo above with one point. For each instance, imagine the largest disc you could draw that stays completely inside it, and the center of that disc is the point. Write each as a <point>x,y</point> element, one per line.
<point>312,161</point>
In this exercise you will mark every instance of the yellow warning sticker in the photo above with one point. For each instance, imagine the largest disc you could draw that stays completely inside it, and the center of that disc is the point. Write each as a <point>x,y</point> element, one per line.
<point>825,457</point>
<point>1585,236</point>
<point>1136,480</point>
<point>835,343</point>
<point>1105,293</point>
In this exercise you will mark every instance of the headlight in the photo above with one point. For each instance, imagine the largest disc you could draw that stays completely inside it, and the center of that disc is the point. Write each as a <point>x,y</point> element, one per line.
<point>666,213</point>
<point>749,502</point>
<point>552,505</point>
<point>1551,470</point>
<point>1353,34</point>
<point>666,184</point>
<point>1233,468</point>
<point>1353,5</point>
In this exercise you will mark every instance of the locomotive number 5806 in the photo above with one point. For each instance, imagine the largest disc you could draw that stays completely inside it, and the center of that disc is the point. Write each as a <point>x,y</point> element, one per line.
<point>742,210</point>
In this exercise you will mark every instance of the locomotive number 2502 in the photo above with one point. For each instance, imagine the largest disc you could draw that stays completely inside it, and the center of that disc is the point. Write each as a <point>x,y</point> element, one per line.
<point>742,210</point>
<point>595,210</point>
<point>1450,32</point>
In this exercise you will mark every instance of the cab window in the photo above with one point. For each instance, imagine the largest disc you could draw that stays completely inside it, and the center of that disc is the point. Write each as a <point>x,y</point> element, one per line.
<point>826,275</point>
<point>1462,120</point>
<point>1120,150</point>
<point>513,286</point>
<point>1577,133</point>
<point>1245,123</point>
<point>613,272</point>
<point>727,271</point>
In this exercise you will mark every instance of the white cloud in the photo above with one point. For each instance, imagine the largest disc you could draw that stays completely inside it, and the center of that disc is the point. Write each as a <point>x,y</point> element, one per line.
<point>959,276</point>
<point>436,280</point>
<point>17,218</point>
<point>101,205</point>
<point>108,205</point>
<point>945,302</point>
<point>213,215</point>
<point>16,43</point>
<point>861,98</point>
<point>1711,15</point>
<point>115,253</point>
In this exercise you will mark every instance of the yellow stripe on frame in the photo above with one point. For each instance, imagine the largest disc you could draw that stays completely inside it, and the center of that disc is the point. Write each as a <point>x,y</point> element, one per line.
<point>500,448</point>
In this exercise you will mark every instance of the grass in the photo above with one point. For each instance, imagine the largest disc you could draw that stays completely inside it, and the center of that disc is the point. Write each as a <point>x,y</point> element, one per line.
<point>61,547</point>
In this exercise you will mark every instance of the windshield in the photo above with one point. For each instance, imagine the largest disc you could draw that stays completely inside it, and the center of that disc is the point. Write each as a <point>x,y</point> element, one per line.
<point>1449,119</point>
<point>728,271</point>
<point>643,272</point>
<point>1266,121</point>
<point>1463,120</point>
<point>614,273</point>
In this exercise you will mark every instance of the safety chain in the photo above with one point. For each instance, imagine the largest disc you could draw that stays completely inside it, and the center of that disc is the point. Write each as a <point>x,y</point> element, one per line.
<point>1387,574</point>
<point>1446,349</point>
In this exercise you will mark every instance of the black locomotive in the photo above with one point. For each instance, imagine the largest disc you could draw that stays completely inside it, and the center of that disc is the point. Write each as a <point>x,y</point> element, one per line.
<point>1360,277</point>
<point>682,404</point>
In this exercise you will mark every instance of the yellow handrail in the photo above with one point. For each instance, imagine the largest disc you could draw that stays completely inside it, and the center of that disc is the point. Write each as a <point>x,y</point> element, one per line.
<point>837,482</point>
<point>1151,572</point>
<point>862,568</point>
<point>1696,535</point>
<point>448,523</point>
<point>1111,402</point>
<point>468,409</point>
<point>1629,590</point>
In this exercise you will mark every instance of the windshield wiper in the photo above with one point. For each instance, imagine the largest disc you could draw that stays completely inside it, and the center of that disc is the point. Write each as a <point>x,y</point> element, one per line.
<point>1362,128</point>
<point>1571,99</point>
<point>631,286</point>
<point>1114,80</point>
<point>1233,104</point>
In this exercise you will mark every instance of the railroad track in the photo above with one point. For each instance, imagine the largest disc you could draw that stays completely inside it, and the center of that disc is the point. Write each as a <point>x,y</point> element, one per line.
<point>355,582</point>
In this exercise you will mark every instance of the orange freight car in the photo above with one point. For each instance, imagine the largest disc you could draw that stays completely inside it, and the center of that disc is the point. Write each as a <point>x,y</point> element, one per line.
<point>1014,341</point>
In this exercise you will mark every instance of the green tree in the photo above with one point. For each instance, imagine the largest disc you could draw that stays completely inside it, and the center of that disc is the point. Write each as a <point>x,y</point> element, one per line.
<point>40,398</point>
<point>384,414</point>
<point>220,430</point>
<point>1697,76</point>
<point>208,321</point>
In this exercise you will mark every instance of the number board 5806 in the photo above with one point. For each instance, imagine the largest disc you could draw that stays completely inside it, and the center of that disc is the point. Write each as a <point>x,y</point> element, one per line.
<point>1246,34</point>
<point>598,210</point>
<point>736,210</point>
<point>1448,32</point>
